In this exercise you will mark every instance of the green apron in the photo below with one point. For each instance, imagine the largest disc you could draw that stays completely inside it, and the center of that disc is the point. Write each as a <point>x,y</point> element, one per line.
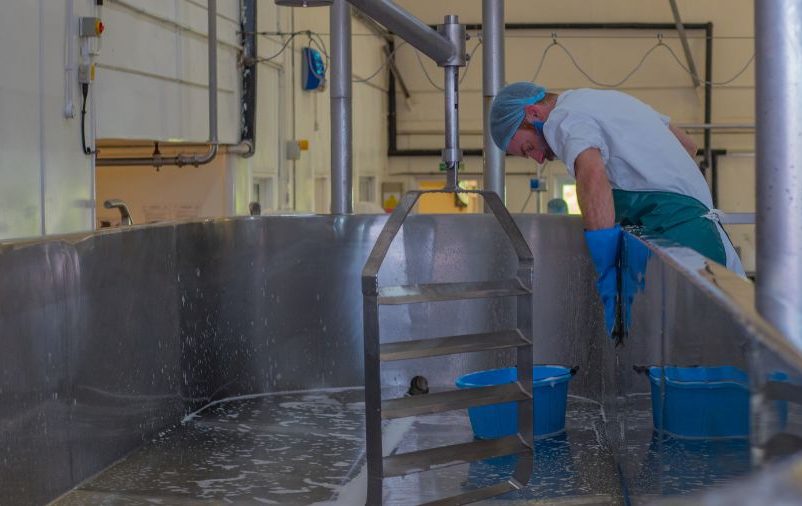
<point>672,216</point>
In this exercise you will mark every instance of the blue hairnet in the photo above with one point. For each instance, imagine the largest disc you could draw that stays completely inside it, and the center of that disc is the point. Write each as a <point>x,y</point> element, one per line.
<point>507,110</point>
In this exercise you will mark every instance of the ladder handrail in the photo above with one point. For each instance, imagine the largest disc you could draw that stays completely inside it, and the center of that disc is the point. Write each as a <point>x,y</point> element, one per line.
<point>377,255</point>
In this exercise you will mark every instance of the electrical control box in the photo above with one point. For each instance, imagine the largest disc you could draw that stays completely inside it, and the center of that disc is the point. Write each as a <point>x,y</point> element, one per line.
<point>293,150</point>
<point>90,27</point>
<point>313,69</point>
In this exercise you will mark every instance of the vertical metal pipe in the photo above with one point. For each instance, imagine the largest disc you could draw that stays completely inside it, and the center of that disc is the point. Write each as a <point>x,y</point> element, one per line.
<point>778,39</point>
<point>709,108</point>
<point>212,19</point>
<point>392,121</point>
<point>451,151</point>
<point>340,93</point>
<point>454,33</point>
<point>248,74</point>
<point>492,81</point>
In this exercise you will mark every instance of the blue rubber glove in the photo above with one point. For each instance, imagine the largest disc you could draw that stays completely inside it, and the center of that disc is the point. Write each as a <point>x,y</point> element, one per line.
<point>605,246</point>
<point>634,259</point>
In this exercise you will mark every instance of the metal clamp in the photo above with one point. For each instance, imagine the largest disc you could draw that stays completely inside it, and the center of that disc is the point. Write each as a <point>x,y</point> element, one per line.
<point>452,30</point>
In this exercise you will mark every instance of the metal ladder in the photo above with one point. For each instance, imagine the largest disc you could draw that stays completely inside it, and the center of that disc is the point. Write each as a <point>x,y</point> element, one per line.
<point>520,338</point>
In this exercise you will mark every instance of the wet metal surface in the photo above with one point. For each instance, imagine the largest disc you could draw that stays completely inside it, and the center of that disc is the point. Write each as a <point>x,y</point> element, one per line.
<point>280,449</point>
<point>654,466</point>
<point>576,467</point>
<point>308,447</point>
<point>130,329</point>
<point>107,339</point>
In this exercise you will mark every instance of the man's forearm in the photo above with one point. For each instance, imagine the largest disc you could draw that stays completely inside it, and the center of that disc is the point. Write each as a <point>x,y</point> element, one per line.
<point>593,191</point>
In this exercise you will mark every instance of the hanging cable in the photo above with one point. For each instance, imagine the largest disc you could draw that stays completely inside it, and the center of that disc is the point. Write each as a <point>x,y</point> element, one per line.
<point>426,73</point>
<point>711,83</point>
<point>310,64</point>
<point>314,39</point>
<point>464,72</point>
<point>318,42</point>
<point>84,93</point>
<point>470,59</point>
<point>543,59</point>
<point>280,51</point>
<point>608,85</point>
<point>635,69</point>
<point>386,62</point>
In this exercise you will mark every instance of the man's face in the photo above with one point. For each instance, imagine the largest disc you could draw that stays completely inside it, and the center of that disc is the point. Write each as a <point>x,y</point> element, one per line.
<point>529,143</point>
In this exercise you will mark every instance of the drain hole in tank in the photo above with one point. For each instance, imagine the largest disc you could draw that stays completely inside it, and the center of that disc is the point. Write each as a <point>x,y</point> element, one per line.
<point>419,385</point>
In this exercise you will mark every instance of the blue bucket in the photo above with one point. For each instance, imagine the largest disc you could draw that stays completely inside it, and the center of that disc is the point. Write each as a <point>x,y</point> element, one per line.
<point>550,388</point>
<point>701,402</point>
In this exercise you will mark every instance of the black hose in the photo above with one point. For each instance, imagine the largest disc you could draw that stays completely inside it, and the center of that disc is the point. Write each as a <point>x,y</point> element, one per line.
<point>84,93</point>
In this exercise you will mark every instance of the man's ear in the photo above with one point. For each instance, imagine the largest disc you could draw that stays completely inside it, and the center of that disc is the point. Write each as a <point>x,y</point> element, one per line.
<point>531,113</point>
<point>535,112</point>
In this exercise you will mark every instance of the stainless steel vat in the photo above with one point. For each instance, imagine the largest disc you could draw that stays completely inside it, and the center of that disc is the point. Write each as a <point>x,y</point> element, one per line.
<point>107,338</point>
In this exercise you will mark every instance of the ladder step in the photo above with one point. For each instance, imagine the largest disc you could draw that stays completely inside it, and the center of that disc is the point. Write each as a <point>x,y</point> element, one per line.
<point>476,495</point>
<point>436,292</point>
<point>450,345</point>
<point>424,460</point>
<point>454,399</point>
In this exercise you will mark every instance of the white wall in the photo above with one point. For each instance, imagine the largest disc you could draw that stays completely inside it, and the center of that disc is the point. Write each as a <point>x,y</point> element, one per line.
<point>286,113</point>
<point>152,72</point>
<point>45,179</point>
<point>151,85</point>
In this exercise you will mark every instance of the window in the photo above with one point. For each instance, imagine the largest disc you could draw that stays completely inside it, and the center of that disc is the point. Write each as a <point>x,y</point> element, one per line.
<point>568,192</point>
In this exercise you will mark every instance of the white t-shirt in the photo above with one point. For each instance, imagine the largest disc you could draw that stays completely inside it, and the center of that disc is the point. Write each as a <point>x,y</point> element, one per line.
<point>639,151</point>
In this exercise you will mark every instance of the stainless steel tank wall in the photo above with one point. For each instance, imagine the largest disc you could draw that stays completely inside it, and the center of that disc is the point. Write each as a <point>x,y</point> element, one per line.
<point>275,303</point>
<point>89,356</point>
<point>688,311</point>
<point>107,338</point>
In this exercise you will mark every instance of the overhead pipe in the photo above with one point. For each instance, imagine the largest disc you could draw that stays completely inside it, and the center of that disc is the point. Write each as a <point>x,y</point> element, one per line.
<point>778,100</point>
<point>341,109</point>
<point>446,46</point>
<point>408,27</point>
<point>373,26</point>
<point>492,80</point>
<point>181,160</point>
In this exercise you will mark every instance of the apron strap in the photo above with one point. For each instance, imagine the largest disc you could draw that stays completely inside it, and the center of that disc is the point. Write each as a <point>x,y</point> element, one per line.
<point>715,215</point>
